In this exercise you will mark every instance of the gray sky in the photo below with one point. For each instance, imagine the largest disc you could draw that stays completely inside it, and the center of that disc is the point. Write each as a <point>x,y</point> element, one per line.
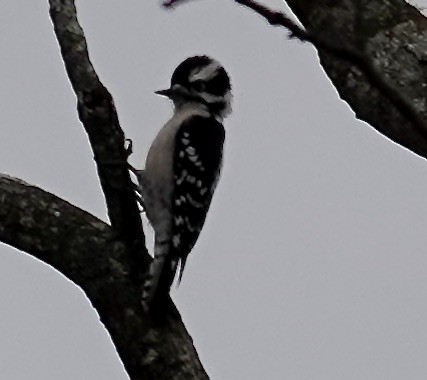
<point>312,264</point>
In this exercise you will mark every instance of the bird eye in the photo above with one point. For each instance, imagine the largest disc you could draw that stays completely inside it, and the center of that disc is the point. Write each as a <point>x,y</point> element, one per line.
<point>199,85</point>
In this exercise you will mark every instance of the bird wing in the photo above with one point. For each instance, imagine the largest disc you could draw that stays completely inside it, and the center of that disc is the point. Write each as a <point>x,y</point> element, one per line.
<point>197,160</point>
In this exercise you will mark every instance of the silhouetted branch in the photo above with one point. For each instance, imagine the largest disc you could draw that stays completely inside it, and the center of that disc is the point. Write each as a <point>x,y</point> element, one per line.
<point>89,253</point>
<point>358,58</point>
<point>172,3</point>
<point>100,120</point>
<point>105,261</point>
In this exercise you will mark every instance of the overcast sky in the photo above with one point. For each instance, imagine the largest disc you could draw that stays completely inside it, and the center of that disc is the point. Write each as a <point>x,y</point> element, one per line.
<point>312,263</point>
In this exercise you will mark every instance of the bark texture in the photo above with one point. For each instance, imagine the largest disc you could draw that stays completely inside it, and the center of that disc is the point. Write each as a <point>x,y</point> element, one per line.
<point>92,255</point>
<point>392,36</point>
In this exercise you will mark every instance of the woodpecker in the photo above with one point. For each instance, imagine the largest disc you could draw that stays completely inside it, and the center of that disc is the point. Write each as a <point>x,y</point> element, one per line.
<point>182,168</point>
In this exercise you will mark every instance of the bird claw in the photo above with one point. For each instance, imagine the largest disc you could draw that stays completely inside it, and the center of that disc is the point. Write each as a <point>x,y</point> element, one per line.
<point>128,147</point>
<point>137,187</point>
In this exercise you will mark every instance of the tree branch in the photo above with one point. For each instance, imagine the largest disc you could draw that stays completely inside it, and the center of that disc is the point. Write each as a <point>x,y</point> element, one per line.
<point>354,55</point>
<point>380,72</point>
<point>99,117</point>
<point>393,34</point>
<point>89,253</point>
<point>99,258</point>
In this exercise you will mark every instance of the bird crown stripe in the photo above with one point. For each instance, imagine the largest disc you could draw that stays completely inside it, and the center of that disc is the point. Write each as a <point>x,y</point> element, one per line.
<point>205,73</point>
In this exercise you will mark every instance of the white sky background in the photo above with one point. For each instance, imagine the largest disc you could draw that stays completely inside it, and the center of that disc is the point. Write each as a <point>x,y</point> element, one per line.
<point>313,261</point>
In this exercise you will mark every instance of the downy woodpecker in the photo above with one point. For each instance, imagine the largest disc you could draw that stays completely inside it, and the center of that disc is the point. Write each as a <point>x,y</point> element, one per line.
<point>183,166</point>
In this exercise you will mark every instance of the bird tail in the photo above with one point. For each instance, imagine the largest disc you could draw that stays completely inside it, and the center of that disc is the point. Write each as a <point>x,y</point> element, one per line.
<point>181,269</point>
<point>161,274</point>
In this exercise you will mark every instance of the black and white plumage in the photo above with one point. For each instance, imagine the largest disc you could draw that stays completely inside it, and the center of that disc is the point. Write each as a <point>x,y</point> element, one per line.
<point>183,166</point>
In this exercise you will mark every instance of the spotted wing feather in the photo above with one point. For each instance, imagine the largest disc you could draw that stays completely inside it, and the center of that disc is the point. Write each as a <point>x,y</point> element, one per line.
<point>197,160</point>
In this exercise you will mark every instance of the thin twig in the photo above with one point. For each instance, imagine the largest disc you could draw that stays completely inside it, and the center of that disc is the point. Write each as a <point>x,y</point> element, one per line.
<point>172,3</point>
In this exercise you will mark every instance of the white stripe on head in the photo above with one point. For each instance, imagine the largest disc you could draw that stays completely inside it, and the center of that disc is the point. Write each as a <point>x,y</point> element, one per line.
<point>226,99</point>
<point>205,73</point>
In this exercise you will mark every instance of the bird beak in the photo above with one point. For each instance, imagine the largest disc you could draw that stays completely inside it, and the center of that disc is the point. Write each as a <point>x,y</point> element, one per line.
<point>167,92</point>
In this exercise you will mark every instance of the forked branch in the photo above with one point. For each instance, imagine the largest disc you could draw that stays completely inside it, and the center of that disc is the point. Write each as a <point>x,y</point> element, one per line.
<point>105,261</point>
